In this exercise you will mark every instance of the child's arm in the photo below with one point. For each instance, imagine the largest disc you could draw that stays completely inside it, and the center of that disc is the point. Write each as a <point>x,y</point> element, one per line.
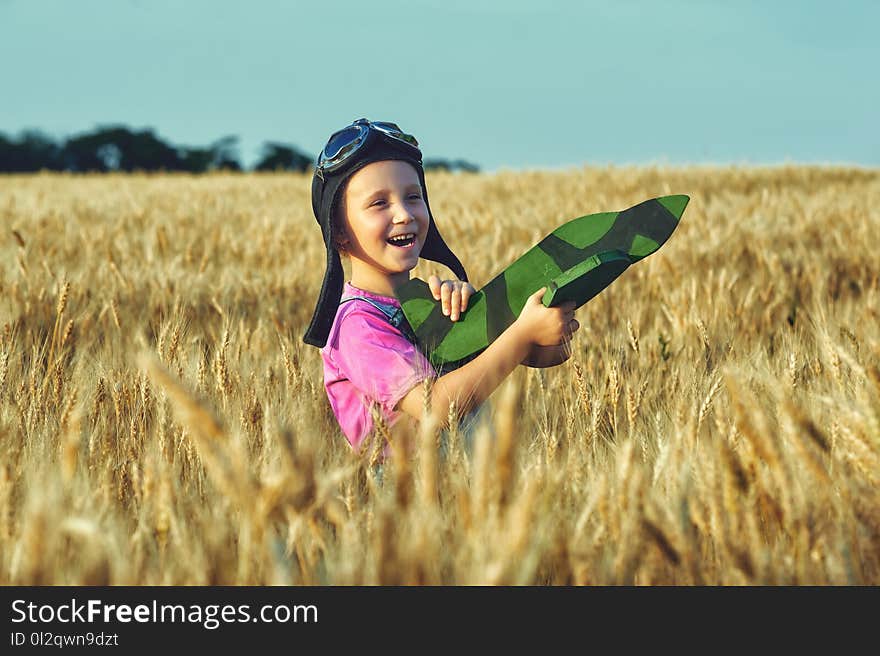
<point>473,383</point>
<point>541,357</point>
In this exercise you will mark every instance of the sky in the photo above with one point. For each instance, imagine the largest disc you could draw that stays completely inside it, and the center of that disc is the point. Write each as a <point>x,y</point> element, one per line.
<point>500,83</point>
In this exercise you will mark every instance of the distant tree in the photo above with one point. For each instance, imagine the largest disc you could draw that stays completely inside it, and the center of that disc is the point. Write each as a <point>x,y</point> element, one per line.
<point>195,160</point>
<point>84,153</point>
<point>437,164</point>
<point>282,157</point>
<point>467,167</point>
<point>32,151</point>
<point>225,154</point>
<point>146,152</point>
<point>7,148</point>
<point>220,155</point>
<point>116,148</point>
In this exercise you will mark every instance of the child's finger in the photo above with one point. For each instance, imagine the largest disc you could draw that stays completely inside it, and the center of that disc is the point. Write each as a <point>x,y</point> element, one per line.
<point>445,295</point>
<point>434,285</point>
<point>466,291</point>
<point>455,302</point>
<point>538,295</point>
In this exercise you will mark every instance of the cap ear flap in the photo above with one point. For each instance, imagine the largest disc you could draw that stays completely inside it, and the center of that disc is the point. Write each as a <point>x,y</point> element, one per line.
<point>328,302</point>
<point>435,248</point>
<point>338,230</point>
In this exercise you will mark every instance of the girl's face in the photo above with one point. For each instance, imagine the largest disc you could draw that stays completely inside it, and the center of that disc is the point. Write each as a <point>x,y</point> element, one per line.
<point>384,200</point>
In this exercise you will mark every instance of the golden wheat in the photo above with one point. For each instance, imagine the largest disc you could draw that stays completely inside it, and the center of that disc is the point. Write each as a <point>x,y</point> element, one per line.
<point>162,422</point>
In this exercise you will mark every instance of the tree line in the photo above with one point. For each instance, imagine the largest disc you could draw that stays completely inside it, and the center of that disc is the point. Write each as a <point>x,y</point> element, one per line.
<point>119,148</point>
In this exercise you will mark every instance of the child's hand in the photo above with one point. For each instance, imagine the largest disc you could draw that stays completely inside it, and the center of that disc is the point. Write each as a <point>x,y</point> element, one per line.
<point>547,326</point>
<point>452,294</point>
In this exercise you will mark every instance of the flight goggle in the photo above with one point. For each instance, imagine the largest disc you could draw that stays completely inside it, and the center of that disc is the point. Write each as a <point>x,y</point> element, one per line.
<point>347,141</point>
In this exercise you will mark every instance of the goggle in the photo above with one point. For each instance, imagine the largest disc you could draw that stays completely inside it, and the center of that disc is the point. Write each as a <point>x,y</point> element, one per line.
<point>347,141</point>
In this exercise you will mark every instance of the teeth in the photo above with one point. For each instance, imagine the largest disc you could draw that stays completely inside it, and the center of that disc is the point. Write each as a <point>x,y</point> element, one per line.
<point>402,237</point>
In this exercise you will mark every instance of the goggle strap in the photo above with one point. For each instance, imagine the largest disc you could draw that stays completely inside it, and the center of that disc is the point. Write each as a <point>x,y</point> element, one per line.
<point>345,151</point>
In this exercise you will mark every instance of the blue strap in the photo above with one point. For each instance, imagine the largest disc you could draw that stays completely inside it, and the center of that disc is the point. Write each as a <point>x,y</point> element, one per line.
<point>395,315</point>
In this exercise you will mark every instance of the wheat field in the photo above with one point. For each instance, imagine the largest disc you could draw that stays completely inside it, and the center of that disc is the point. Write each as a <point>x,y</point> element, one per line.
<point>162,422</point>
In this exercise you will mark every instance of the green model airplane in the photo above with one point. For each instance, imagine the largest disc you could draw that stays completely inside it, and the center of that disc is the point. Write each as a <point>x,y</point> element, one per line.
<point>575,262</point>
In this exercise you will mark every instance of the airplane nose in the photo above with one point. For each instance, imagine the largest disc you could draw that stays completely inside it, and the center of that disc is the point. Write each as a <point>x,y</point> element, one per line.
<point>675,204</point>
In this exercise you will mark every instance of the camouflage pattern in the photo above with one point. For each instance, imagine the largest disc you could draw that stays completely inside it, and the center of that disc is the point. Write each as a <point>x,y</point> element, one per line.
<point>575,262</point>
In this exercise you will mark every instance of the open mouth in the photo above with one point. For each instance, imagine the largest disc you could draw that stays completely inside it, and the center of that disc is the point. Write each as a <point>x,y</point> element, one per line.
<point>403,241</point>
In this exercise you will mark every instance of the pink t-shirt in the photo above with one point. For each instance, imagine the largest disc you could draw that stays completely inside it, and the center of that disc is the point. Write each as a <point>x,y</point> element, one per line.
<point>367,360</point>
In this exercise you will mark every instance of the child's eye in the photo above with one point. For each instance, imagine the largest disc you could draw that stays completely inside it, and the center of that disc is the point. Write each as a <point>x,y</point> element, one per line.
<point>376,203</point>
<point>416,196</point>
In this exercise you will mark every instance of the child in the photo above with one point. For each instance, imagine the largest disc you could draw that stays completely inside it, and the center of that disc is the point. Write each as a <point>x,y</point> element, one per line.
<point>370,199</point>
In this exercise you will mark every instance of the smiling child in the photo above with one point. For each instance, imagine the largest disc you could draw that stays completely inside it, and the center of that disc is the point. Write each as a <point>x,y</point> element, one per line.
<point>370,199</point>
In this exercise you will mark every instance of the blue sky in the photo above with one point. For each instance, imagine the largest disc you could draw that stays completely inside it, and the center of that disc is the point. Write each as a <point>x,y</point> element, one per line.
<point>513,84</point>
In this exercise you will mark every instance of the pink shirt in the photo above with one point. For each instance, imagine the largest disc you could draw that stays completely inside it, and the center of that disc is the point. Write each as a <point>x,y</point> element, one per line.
<point>367,360</point>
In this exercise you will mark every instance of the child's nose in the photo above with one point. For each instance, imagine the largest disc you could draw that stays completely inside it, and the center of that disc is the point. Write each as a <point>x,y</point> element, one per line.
<point>403,214</point>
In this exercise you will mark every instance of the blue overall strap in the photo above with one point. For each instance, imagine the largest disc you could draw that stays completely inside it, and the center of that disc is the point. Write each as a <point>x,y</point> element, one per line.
<point>395,315</point>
